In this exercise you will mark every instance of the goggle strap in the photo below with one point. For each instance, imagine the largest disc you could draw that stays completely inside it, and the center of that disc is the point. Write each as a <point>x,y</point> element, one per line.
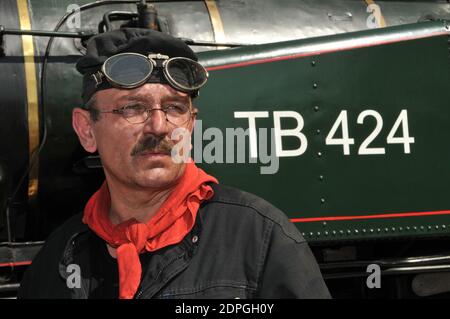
<point>98,78</point>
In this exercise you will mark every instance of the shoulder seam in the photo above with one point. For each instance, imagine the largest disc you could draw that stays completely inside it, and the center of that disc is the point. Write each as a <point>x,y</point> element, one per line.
<point>257,211</point>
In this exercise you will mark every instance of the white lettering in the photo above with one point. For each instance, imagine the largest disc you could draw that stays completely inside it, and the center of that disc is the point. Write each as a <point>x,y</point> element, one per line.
<point>279,133</point>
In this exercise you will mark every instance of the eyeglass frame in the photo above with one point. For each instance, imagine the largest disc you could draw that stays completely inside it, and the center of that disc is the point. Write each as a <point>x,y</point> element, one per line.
<point>120,111</point>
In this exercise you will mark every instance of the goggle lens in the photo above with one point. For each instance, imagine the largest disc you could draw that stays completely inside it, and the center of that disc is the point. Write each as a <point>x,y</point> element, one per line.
<point>128,70</point>
<point>187,74</point>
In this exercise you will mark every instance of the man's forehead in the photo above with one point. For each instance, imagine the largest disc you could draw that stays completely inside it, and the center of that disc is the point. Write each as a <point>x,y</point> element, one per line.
<point>147,92</point>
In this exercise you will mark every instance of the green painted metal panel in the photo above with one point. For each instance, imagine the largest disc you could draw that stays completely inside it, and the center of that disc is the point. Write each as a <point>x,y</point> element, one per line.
<point>337,196</point>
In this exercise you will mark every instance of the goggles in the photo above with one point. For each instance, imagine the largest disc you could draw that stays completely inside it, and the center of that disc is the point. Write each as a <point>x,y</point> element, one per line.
<point>130,70</point>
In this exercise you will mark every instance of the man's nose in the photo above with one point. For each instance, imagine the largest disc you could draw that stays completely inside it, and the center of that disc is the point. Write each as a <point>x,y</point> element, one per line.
<point>156,122</point>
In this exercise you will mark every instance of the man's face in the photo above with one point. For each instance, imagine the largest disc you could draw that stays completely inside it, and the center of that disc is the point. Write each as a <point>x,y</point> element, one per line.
<point>138,155</point>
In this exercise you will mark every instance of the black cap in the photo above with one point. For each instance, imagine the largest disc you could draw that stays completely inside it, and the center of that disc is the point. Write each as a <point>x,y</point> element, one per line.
<point>144,41</point>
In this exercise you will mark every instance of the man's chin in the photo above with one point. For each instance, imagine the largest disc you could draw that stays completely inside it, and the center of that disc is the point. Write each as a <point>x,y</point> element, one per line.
<point>160,174</point>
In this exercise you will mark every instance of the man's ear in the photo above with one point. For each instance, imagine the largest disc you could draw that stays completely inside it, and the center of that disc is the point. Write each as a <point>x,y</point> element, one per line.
<point>83,126</point>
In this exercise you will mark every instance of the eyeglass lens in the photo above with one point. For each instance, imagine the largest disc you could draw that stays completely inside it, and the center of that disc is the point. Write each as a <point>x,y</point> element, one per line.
<point>173,115</point>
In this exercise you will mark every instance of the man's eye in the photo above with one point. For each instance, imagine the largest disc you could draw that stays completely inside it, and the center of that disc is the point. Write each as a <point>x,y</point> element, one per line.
<point>174,108</point>
<point>131,110</point>
<point>134,107</point>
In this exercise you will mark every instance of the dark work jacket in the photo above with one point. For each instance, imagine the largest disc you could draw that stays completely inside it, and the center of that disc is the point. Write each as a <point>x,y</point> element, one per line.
<point>240,247</point>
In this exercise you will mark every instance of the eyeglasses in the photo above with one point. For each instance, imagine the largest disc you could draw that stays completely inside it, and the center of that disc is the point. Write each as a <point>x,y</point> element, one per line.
<point>130,70</point>
<point>137,114</point>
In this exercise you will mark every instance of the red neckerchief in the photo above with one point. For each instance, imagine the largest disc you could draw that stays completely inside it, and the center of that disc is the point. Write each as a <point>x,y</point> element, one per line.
<point>168,226</point>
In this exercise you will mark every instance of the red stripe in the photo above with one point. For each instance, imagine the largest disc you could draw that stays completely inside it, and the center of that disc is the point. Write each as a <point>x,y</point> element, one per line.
<point>18,263</point>
<point>312,219</point>
<point>300,55</point>
<point>397,215</point>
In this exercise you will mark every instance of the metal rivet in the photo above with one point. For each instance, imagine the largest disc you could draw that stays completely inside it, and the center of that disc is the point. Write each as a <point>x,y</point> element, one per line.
<point>316,108</point>
<point>341,232</point>
<point>386,229</point>
<point>379,230</point>
<point>195,239</point>
<point>422,228</point>
<point>356,231</point>
<point>319,154</point>
<point>313,63</point>
<point>324,224</point>
<point>315,86</point>
<point>408,228</point>
<point>349,231</point>
<point>320,177</point>
<point>334,232</point>
<point>393,228</point>
<point>326,233</point>
<point>318,234</point>
<point>303,234</point>
<point>311,234</point>
<point>317,132</point>
<point>371,230</point>
<point>322,200</point>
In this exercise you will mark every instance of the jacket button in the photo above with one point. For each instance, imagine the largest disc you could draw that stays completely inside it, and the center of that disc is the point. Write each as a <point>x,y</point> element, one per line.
<point>195,239</point>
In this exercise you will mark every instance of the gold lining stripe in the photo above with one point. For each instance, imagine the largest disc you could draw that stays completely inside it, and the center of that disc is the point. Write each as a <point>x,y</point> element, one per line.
<point>216,22</point>
<point>382,21</point>
<point>32,95</point>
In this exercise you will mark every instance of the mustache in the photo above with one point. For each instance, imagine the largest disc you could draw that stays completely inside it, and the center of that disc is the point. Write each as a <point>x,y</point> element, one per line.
<point>154,144</point>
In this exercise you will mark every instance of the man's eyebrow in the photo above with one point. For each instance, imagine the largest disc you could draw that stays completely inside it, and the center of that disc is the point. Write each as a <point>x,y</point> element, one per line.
<point>133,97</point>
<point>142,98</point>
<point>183,99</point>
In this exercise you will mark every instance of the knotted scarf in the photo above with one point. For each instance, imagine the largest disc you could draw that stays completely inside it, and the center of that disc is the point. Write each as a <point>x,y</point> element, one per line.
<point>171,223</point>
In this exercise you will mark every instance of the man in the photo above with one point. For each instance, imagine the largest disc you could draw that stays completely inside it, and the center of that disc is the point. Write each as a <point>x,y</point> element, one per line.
<point>158,227</point>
